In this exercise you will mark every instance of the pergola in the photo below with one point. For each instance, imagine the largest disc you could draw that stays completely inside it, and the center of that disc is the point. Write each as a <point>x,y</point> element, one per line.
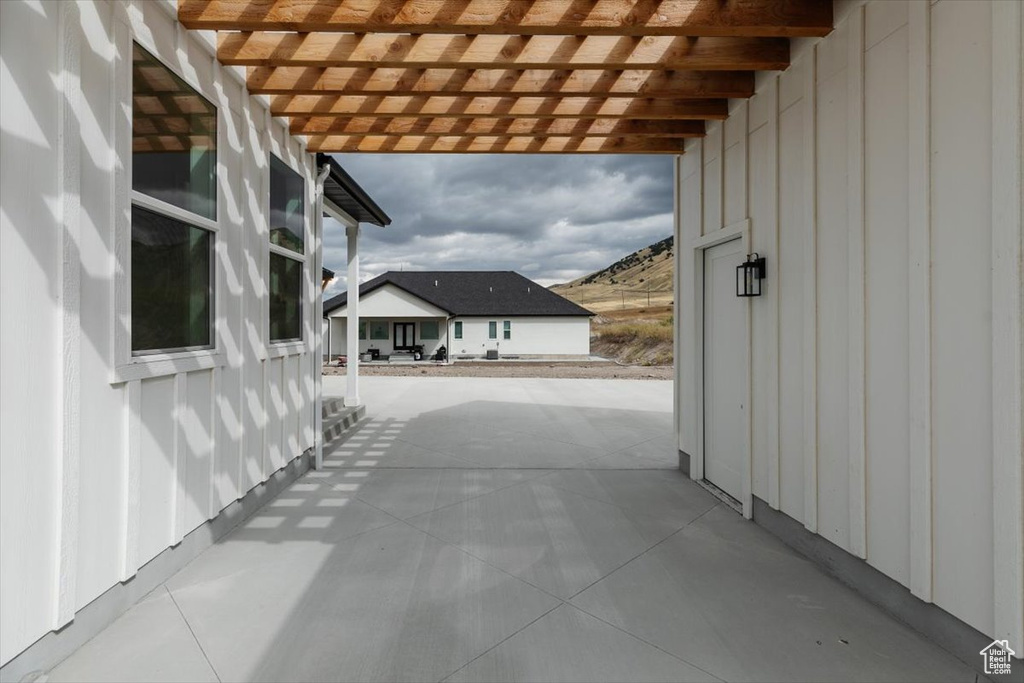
<point>504,76</point>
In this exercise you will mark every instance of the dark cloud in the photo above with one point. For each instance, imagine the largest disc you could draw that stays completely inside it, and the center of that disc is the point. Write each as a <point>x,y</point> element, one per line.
<point>551,218</point>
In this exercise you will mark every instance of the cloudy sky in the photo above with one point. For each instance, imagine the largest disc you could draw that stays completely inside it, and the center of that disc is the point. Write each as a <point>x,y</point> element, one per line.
<point>551,218</point>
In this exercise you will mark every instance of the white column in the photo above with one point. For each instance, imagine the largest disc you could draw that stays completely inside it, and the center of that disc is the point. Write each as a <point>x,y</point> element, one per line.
<point>352,321</point>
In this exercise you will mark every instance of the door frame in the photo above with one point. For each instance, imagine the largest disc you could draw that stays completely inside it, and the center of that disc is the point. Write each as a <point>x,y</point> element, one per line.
<point>739,230</point>
<point>395,345</point>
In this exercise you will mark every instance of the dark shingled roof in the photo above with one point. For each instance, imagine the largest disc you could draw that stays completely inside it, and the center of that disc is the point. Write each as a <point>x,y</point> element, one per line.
<point>472,293</point>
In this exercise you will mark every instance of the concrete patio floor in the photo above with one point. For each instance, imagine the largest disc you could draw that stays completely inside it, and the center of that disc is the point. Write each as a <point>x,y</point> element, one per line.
<point>504,530</point>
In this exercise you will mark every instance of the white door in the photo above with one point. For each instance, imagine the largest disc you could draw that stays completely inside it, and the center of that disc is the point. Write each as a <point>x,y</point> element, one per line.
<point>725,348</point>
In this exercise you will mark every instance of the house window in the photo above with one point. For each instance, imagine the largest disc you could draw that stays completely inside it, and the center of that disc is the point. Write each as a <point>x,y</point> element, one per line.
<point>174,210</point>
<point>287,226</point>
<point>362,331</point>
<point>428,330</point>
<point>492,329</point>
<point>379,330</point>
<point>507,329</point>
<point>458,329</point>
<point>171,283</point>
<point>285,298</point>
<point>287,207</point>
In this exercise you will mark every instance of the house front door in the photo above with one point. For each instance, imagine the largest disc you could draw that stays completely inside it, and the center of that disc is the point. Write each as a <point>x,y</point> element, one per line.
<point>724,345</point>
<point>405,336</point>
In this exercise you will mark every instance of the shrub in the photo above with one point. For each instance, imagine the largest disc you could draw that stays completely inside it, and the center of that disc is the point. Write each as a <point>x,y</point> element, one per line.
<point>625,333</point>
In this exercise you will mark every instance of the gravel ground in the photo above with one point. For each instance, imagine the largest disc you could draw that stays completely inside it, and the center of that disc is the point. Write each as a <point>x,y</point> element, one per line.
<point>567,370</point>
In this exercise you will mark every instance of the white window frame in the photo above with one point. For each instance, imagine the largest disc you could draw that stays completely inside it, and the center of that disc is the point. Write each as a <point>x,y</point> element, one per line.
<point>506,330</point>
<point>125,364</point>
<point>457,330</point>
<point>492,324</point>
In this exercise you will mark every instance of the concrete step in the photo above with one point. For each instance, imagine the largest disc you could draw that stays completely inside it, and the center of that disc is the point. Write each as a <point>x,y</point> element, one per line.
<point>338,420</point>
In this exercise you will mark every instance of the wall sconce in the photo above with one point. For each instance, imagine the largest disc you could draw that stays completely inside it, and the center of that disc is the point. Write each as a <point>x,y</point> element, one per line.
<point>749,275</point>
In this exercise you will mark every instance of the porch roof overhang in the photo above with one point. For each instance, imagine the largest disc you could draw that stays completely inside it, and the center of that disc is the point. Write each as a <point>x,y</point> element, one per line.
<point>504,76</point>
<point>345,193</point>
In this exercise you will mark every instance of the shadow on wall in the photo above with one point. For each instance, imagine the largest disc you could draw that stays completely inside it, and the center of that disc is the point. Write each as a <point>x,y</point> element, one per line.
<point>175,496</point>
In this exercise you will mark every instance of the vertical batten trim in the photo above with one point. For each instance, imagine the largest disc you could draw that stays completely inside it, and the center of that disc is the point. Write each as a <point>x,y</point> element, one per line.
<point>179,460</point>
<point>131,473</point>
<point>742,115</point>
<point>1007,320</point>
<point>70,274</point>
<point>810,408</point>
<point>697,463</point>
<point>919,294</point>
<point>120,321</point>
<point>214,502</point>
<point>677,239</point>
<point>772,93</point>
<point>855,290</point>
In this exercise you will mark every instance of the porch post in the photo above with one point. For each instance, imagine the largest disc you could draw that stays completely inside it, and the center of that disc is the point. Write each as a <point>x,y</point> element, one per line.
<point>352,321</point>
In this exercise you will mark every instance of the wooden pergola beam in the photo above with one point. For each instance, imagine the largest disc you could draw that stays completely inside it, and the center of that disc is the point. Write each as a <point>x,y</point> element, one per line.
<point>484,82</point>
<point>494,144</point>
<point>507,107</point>
<point>785,18</point>
<point>502,51</point>
<point>512,127</point>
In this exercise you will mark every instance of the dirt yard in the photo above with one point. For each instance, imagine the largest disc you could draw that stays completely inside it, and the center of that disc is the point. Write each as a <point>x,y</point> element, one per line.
<point>562,370</point>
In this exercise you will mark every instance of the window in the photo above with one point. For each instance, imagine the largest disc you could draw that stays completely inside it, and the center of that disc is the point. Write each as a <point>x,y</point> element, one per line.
<point>174,210</point>
<point>507,329</point>
<point>458,329</point>
<point>287,230</point>
<point>428,330</point>
<point>287,207</point>
<point>362,330</point>
<point>171,283</point>
<point>285,298</point>
<point>492,329</point>
<point>379,329</point>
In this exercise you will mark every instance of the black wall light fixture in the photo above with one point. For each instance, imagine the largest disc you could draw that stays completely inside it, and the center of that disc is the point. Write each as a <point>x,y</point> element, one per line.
<point>749,275</point>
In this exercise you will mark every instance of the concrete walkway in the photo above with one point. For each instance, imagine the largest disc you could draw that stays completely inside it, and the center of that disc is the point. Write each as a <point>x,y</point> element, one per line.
<point>504,530</point>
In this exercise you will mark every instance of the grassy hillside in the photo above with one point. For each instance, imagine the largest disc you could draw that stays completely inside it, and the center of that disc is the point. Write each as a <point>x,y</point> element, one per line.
<point>641,279</point>
<point>633,301</point>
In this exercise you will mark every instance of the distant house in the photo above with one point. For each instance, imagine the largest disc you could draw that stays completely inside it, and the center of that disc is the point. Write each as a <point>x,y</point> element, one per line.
<point>471,313</point>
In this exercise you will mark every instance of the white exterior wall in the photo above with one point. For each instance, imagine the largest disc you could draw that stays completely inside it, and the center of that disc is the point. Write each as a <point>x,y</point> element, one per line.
<point>531,336</point>
<point>105,463</point>
<point>881,178</point>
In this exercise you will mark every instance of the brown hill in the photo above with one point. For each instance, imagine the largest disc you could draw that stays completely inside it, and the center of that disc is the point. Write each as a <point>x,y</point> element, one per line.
<point>641,279</point>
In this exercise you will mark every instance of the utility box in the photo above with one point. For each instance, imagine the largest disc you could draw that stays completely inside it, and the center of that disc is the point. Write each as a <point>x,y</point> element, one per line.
<point>492,354</point>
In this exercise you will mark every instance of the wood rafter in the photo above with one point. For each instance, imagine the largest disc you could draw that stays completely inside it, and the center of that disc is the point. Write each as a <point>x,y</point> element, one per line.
<point>484,82</point>
<point>477,107</point>
<point>786,18</point>
<point>496,76</point>
<point>502,51</point>
<point>494,144</point>
<point>512,127</point>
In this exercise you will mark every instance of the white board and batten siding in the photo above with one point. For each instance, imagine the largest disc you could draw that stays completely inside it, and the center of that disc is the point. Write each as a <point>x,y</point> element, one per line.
<point>880,176</point>
<point>105,463</point>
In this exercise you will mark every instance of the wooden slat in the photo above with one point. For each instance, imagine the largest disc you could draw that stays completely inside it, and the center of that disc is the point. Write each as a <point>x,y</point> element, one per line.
<point>484,82</point>
<point>608,17</point>
<point>582,128</point>
<point>502,51</point>
<point>514,107</point>
<point>494,144</point>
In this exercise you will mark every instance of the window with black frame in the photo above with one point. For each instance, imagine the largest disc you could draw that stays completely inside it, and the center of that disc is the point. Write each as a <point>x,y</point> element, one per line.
<point>287,260</point>
<point>174,210</point>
